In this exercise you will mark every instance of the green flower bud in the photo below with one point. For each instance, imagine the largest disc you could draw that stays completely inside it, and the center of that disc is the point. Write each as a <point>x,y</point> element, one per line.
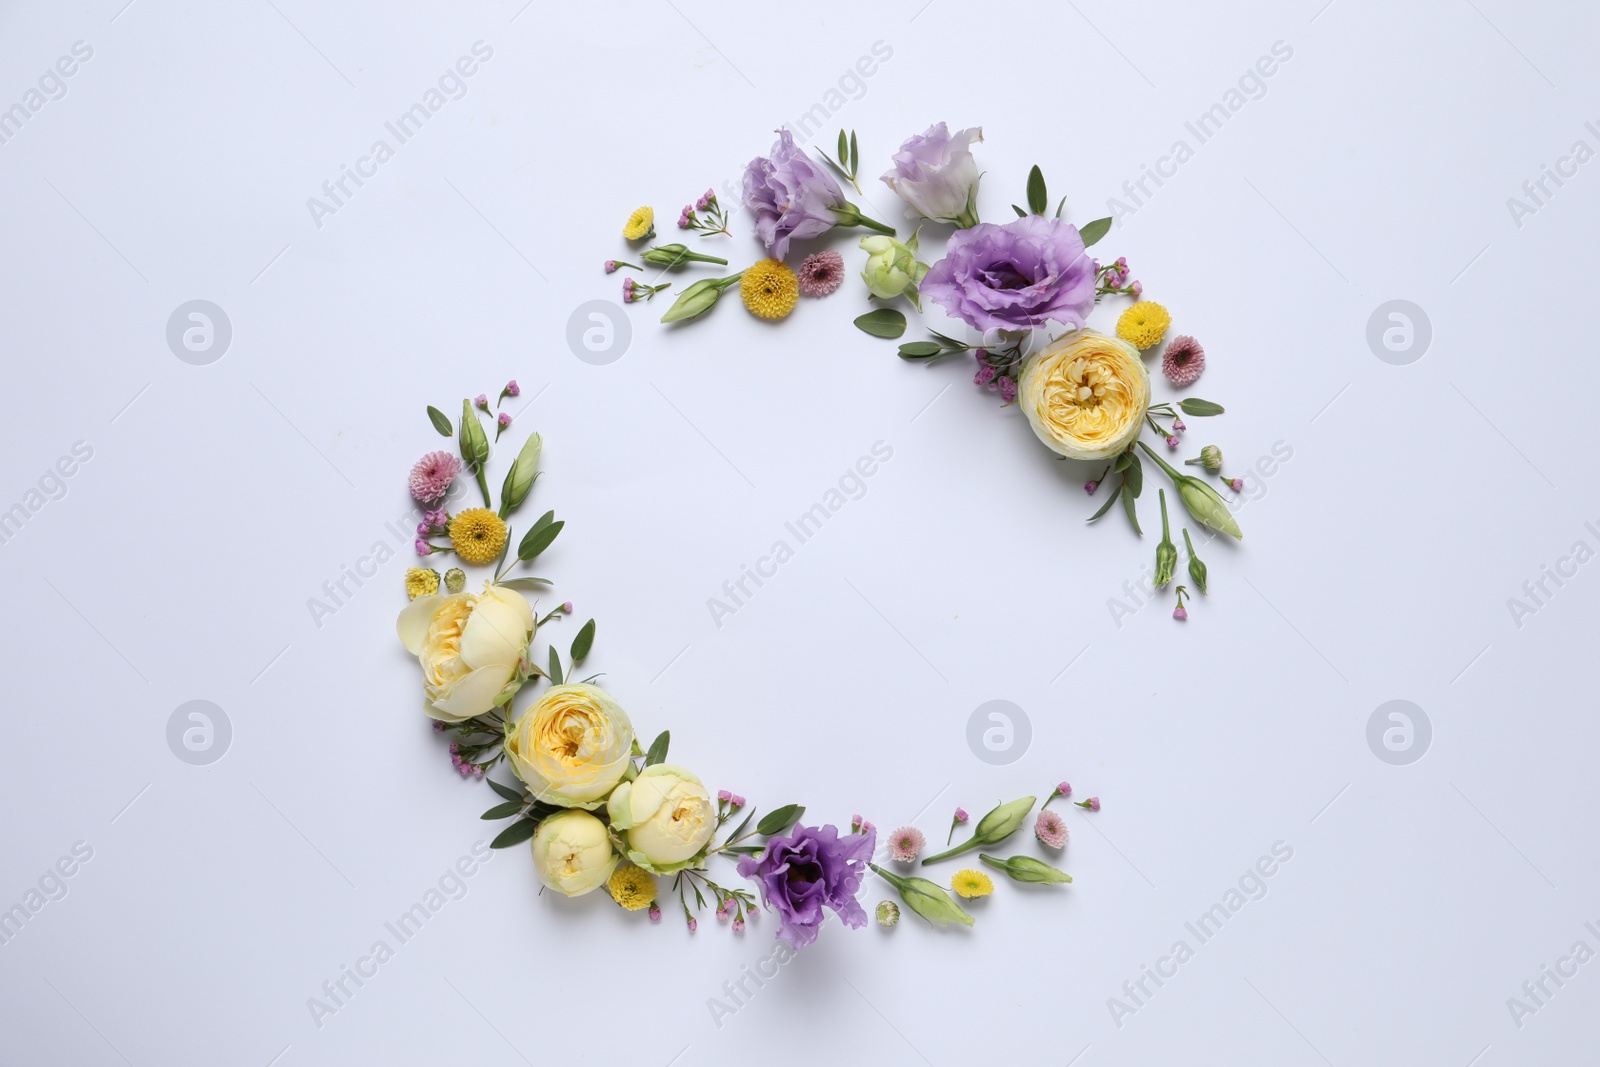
<point>993,828</point>
<point>1210,459</point>
<point>926,898</point>
<point>455,579</point>
<point>1203,503</point>
<point>1027,869</point>
<point>671,256</point>
<point>699,298</point>
<point>1197,570</point>
<point>1166,551</point>
<point>893,268</point>
<point>888,913</point>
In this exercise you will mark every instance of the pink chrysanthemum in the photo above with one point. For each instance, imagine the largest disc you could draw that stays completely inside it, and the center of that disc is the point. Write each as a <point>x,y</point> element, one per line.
<point>431,477</point>
<point>821,273</point>
<point>905,844</point>
<point>1050,828</point>
<point>1184,360</point>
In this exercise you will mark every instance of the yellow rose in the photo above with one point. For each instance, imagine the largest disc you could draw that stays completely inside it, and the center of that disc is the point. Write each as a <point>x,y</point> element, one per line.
<point>1085,396</point>
<point>667,816</point>
<point>572,853</point>
<point>469,646</point>
<point>572,746</point>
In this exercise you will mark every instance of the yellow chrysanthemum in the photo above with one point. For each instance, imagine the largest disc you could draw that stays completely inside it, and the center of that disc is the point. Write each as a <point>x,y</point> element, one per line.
<point>641,224</point>
<point>421,581</point>
<point>770,289</point>
<point>970,883</point>
<point>1143,324</point>
<point>477,535</point>
<point>632,887</point>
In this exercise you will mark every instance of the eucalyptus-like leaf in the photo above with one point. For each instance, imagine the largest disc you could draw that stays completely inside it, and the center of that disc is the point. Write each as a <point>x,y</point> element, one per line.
<point>884,322</point>
<point>555,666</point>
<point>1021,214</point>
<point>538,539</point>
<point>515,834</point>
<point>1091,232</point>
<point>1129,500</point>
<point>1134,474</point>
<point>1193,405</point>
<point>658,749</point>
<point>1061,207</point>
<point>441,421</point>
<point>844,149</point>
<point>525,581</point>
<point>855,154</point>
<point>505,790</point>
<point>583,642</point>
<point>780,819</point>
<point>920,349</point>
<point>502,811</point>
<point>1112,499</point>
<point>521,476</point>
<point>1038,199</point>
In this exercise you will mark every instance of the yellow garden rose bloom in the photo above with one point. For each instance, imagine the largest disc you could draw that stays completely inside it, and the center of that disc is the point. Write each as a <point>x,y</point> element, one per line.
<point>1085,396</point>
<point>572,853</point>
<point>667,816</point>
<point>572,746</point>
<point>469,646</point>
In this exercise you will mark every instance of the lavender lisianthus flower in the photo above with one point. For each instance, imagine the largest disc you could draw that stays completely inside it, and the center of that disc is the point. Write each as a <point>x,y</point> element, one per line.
<point>935,173</point>
<point>792,198</point>
<point>809,870</point>
<point>1013,277</point>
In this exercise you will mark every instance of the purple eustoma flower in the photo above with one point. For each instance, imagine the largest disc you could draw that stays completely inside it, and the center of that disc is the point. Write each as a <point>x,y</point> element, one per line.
<point>812,869</point>
<point>935,174</point>
<point>1013,277</point>
<point>793,198</point>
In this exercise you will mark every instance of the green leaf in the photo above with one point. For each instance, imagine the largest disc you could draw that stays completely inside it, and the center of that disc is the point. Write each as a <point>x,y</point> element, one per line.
<point>1120,464</point>
<point>1195,406</point>
<point>515,834</point>
<point>555,666</point>
<point>440,420</point>
<point>1134,475</point>
<point>950,342</point>
<point>505,790</point>
<point>538,539</point>
<point>521,476</point>
<point>745,850</point>
<point>1021,214</point>
<point>779,819</point>
<point>855,153</point>
<point>1112,499</point>
<point>658,749</point>
<point>583,642</point>
<point>738,831</point>
<point>1091,232</point>
<point>1060,207</point>
<point>526,581</point>
<point>1038,199</point>
<point>920,349</point>
<point>502,811</point>
<point>884,322</point>
<point>1129,506</point>
<point>844,150</point>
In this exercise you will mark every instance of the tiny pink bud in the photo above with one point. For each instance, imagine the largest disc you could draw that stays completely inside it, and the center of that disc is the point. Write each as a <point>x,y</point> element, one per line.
<point>1090,486</point>
<point>738,926</point>
<point>423,529</point>
<point>1178,425</point>
<point>855,822</point>
<point>503,419</point>
<point>961,815</point>
<point>423,548</point>
<point>513,389</point>
<point>1064,789</point>
<point>1138,290</point>
<point>567,607</point>
<point>611,266</point>
<point>482,401</point>
<point>1236,484</point>
<point>738,801</point>
<point>693,925</point>
<point>1172,442</point>
<point>655,914</point>
<point>1180,613</point>
<point>724,796</point>
<point>1093,803</point>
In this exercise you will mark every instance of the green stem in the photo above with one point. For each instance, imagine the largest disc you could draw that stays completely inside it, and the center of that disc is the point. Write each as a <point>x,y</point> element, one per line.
<point>1177,478</point>
<point>966,846</point>
<point>893,879</point>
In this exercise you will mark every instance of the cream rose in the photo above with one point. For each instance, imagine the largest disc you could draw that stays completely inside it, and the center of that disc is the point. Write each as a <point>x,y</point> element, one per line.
<point>572,746</point>
<point>572,853</point>
<point>1085,396</point>
<point>666,815</point>
<point>469,646</point>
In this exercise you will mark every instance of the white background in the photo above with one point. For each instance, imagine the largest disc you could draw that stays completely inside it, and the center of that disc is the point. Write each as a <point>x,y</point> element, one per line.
<point>1377,563</point>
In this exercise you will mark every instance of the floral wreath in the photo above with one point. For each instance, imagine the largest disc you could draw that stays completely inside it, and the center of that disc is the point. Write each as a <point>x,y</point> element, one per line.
<point>599,809</point>
<point>1086,395</point>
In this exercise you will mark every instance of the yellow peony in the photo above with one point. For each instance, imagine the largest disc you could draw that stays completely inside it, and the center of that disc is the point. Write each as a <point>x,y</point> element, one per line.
<point>667,816</point>
<point>470,646</point>
<point>1085,396</point>
<point>572,746</point>
<point>572,853</point>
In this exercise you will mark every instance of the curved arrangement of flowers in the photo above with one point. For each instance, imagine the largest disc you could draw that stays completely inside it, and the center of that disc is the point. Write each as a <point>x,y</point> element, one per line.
<point>598,809</point>
<point>1086,395</point>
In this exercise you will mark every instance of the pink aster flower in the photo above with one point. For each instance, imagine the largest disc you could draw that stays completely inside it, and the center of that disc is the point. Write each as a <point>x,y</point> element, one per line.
<point>1050,828</point>
<point>821,273</point>
<point>1184,360</point>
<point>905,844</point>
<point>431,477</point>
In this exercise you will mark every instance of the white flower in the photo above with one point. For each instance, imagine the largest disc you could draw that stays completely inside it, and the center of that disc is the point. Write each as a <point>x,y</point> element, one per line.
<point>469,646</point>
<point>936,174</point>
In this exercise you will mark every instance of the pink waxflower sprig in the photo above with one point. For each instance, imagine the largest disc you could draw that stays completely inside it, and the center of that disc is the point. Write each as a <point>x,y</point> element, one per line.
<point>633,292</point>
<point>1113,280</point>
<point>715,218</point>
